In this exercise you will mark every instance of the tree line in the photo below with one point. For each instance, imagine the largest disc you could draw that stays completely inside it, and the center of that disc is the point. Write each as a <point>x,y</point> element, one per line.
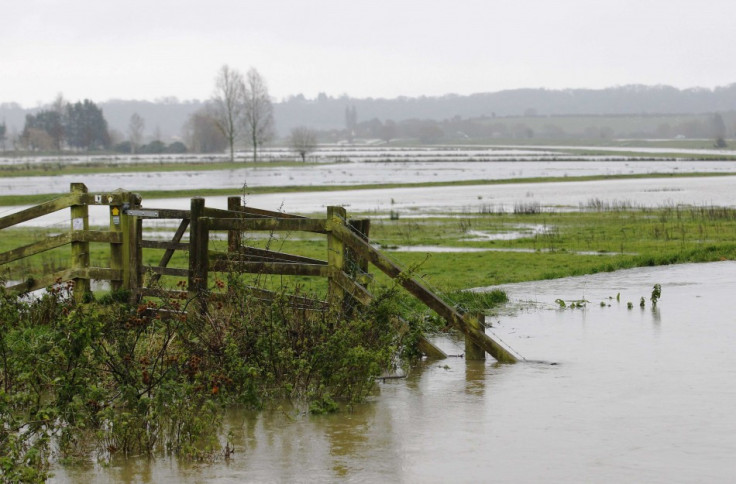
<point>79,126</point>
<point>240,111</point>
<point>240,114</point>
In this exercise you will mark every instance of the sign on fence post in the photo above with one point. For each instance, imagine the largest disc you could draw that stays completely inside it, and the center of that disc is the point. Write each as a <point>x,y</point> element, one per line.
<point>116,248</point>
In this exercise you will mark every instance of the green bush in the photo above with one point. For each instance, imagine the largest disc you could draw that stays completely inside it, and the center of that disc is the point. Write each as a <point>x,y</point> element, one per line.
<point>111,378</point>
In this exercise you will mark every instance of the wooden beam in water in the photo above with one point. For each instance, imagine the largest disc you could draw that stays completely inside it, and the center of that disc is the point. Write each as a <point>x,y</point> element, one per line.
<point>416,288</point>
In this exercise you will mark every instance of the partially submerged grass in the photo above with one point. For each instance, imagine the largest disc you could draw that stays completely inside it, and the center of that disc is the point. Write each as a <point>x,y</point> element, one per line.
<point>569,244</point>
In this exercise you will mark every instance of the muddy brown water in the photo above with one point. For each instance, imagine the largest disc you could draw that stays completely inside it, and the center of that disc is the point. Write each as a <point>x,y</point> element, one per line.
<point>636,395</point>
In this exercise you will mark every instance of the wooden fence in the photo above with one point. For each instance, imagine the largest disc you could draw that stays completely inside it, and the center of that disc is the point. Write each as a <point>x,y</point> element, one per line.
<point>346,266</point>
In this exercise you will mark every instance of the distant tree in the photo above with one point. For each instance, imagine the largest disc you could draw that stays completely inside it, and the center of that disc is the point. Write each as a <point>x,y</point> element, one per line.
<point>135,131</point>
<point>202,134</point>
<point>86,126</point>
<point>430,132</point>
<point>258,111</point>
<point>177,147</point>
<point>123,147</point>
<point>351,121</point>
<point>36,139</point>
<point>388,131</point>
<point>227,105</point>
<point>155,147</point>
<point>3,135</point>
<point>719,131</point>
<point>48,121</point>
<point>303,141</point>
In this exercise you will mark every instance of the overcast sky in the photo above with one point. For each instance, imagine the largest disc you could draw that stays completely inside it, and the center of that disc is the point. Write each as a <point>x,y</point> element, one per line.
<point>148,49</point>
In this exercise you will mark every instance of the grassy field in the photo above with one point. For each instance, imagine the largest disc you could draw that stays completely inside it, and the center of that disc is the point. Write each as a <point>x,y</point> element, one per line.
<point>562,244</point>
<point>97,167</point>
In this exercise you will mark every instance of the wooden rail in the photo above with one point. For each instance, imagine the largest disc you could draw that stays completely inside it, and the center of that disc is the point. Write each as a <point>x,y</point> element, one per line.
<point>120,238</point>
<point>348,257</point>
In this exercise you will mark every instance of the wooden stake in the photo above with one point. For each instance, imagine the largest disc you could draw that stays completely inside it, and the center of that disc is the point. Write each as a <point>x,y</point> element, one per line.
<point>335,256</point>
<point>472,350</point>
<point>80,250</point>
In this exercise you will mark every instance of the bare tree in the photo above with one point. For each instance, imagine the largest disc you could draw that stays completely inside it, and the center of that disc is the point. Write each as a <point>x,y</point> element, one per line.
<point>258,111</point>
<point>303,141</point>
<point>135,131</point>
<point>227,103</point>
<point>3,135</point>
<point>202,134</point>
<point>718,128</point>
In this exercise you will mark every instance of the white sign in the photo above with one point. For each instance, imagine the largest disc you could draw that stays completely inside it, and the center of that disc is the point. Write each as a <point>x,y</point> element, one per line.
<point>78,223</point>
<point>98,198</point>
<point>143,213</point>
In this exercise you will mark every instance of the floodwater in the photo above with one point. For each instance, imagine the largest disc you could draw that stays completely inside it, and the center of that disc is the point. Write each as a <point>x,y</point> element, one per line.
<point>636,395</point>
<point>560,196</point>
<point>358,173</point>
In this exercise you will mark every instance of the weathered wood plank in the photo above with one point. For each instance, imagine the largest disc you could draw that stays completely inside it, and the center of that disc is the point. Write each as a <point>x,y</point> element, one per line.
<point>275,224</point>
<point>262,295</point>
<point>257,212</point>
<point>351,288</point>
<point>114,198</point>
<point>198,254</point>
<point>39,210</point>
<point>335,257</point>
<point>101,274</point>
<point>116,248</point>
<point>172,246</point>
<point>422,293</point>
<point>252,254</point>
<point>33,283</point>
<point>427,348</point>
<point>160,213</point>
<point>234,237</point>
<point>80,249</point>
<point>48,243</point>
<point>165,244</point>
<point>282,268</point>
<point>165,271</point>
<point>474,352</point>
<point>86,274</point>
<point>97,236</point>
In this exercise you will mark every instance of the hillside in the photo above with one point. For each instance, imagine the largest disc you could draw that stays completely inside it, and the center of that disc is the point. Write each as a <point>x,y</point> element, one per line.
<point>326,112</point>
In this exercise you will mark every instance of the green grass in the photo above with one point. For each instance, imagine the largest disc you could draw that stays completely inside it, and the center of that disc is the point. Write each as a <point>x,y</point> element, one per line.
<point>112,166</point>
<point>610,240</point>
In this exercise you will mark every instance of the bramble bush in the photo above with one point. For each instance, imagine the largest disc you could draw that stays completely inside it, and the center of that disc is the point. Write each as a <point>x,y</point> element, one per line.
<point>108,378</point>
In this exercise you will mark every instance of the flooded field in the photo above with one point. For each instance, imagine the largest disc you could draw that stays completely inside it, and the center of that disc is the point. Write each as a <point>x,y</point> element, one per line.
<point>358,173</point>
<point>636,395</point>
<point>470,199</point>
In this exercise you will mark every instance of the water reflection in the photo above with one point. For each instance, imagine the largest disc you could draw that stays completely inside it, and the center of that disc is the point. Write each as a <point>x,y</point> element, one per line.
<point>642,396</point>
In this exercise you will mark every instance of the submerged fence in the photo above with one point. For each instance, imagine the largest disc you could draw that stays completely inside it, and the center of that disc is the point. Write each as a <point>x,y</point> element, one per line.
<point>346,266</point>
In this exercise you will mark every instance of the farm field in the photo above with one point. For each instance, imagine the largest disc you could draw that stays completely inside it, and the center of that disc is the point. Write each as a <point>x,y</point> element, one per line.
<point>597,240</point>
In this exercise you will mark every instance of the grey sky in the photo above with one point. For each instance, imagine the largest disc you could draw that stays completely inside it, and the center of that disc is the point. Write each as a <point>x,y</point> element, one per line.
<point>147,49</point>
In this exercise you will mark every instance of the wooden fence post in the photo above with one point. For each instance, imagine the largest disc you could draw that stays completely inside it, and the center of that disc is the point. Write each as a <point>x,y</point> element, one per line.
<point>116,248</point>
<point>472,350</point>
<point>335,257</point>
<point>130,226</point>
<point>80,250</point>
<point>234,237</point>
<point>198,254</point>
